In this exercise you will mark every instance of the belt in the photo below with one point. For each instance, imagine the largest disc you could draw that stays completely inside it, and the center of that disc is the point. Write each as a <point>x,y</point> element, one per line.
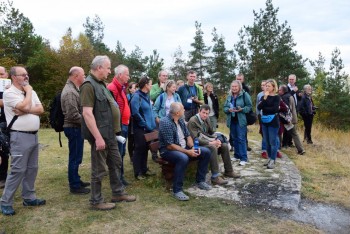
<point>27,132</point>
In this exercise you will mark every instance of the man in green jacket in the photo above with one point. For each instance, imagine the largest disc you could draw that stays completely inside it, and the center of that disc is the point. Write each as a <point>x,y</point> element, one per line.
<point>200,127</point>
<point>158,88</point>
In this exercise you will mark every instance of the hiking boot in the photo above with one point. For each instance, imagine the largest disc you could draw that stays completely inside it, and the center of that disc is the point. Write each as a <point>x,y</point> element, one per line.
<point>80,191</point>
<point>232,174</point>
<point>84,184</point>
<point>271,164</point>
<point>219,181</point>
<point>103,206</point>
<point>264,155</point>
<point>34,202</point>
<point>301,152</point>
<point>124,197</point>
<point>279,154</point>
<point>203,185</point>
<point>7,210</point>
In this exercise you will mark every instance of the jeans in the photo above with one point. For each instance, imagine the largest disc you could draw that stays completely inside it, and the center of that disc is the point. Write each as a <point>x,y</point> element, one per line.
<point>76,146</point>
<point>238,135</point>
<point>122,147</point>
<point>181,161</point>
<point>270,135</point>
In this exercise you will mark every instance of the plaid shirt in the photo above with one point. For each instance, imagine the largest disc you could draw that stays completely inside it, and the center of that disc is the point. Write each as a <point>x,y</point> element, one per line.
<point>168,132</point>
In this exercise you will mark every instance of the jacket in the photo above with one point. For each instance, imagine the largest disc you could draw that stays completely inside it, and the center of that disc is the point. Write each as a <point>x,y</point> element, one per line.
<point>141,111</point>
<point>184,93</point>
<point>239,102</point>
<point>215,100</point>
<point>159,105</point>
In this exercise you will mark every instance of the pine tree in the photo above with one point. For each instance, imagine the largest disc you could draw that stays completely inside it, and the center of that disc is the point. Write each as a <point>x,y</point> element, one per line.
<point>198,56</point>
<point>94,30</point>
<point>265,50</point>
<point>178,68</point>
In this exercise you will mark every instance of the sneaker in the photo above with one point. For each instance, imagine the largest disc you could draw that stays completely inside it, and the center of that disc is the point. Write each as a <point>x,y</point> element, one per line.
<point>203,185</point>
<point>264,155</point>
<point>232,174</point>
<point>149,173</point>
<point>267,162</point>
<point>84,184</point>
<point>34,202</point>
<point>2,184</point>
<point>242,163</point>
<point>279,154</point>
<point>271,164</point>
<point>80,191</point>
<point>124,197</point>
<point>140,177</point>
<point>7,210</point>
<point>234,159</point>
<point>301,152</point>
<point>181,196</point>
<point>103,206</point>
<point>219,181</point>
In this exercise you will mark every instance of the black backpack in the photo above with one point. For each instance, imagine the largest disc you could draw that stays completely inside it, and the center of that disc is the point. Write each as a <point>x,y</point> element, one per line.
<point>56,117</point>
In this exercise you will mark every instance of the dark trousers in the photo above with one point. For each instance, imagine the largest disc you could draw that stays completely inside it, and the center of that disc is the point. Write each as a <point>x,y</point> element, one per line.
<point>308,119</point>
<point>4,167</point>
<point>122,147</point>
<point>287,138</point>
<point>139,158</point>
<point>76,146</point>
<point>131,142</point>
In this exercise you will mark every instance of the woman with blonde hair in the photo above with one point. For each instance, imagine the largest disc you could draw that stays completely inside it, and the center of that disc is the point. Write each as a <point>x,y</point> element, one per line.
<point>162,105</point>
<point>213,102</point>
<point>269,105</point>
<point>237,104</point>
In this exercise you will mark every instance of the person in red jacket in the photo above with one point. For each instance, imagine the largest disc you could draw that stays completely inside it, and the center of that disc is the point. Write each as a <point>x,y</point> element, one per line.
<point>118,88</point>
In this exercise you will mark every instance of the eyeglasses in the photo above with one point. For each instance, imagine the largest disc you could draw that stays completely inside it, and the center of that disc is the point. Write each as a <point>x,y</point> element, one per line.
<point>23,75</point>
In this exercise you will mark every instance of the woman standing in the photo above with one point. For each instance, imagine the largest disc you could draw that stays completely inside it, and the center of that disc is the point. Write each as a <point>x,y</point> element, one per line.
<point>162,105</point>
<point>131,91</point>
<point>213,102</point>
<point>143,122</point>
<point>237,104</point>
<point>307,111</point>
<point>269,105</point>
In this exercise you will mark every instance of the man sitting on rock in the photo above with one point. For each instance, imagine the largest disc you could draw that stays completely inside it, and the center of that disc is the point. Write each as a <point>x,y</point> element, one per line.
<point>176,146</point>
<point>200,127</point>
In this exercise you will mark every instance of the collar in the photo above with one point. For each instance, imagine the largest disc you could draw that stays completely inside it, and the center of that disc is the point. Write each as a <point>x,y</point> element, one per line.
<point>199,118</point>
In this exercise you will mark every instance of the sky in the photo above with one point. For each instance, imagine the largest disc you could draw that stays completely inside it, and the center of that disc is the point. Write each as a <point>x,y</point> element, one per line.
<point>317,26</point>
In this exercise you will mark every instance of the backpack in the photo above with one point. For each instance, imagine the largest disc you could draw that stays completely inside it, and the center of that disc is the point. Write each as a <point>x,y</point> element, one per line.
<point>56,117</point>
<point>286,117</point>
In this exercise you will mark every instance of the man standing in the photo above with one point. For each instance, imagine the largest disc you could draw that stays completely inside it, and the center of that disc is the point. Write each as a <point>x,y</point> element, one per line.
<point>200,125</point>
<point>4,158</point>
<point>70,104</point>
<point>158,88</point>
<point>293,89</point>
<point>191,95</point>
<point>118,88</point>
<point>176,146</point>
<point>22,101</point>
<point>101,121</point>
<point>240,78</point>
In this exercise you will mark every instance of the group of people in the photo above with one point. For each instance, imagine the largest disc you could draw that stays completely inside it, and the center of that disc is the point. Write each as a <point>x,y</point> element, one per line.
<point>112,116</point>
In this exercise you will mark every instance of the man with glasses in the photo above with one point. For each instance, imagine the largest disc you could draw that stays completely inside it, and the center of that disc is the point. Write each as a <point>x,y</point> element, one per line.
<point>22,101</point>
<point>101,121</point>
<point>70,104</point>
<point>118,89</point>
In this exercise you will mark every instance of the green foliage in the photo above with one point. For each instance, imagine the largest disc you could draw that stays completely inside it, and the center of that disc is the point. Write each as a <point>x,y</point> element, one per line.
<point>17,39</point>
<point>154,65</point>
<point>221,65</point>
<point>179,68</point>
<point>198,55</point>
<point>94,30</point>
<point>265,50</point>
<point>334,102</point>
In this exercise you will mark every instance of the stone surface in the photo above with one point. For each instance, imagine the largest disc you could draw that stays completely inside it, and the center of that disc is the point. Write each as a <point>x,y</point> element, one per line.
<point>277,188</point>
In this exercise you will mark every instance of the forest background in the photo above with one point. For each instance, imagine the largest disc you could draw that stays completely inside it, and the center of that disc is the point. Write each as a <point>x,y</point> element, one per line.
<point>265,49</point>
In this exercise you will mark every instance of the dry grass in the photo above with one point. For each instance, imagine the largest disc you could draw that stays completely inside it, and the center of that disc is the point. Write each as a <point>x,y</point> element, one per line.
<point>325,168</point>
<point>155,211</point>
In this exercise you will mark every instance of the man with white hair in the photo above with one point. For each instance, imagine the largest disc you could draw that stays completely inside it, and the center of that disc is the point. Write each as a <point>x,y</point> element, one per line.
<point>101,121</point>
<point>118,89</point>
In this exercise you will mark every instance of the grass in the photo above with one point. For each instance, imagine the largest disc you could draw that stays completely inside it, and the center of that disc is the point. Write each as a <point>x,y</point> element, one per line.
<point>156,211</point>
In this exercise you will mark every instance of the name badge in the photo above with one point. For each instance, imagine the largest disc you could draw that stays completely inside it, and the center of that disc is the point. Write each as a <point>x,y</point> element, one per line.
<point>189,100</point>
